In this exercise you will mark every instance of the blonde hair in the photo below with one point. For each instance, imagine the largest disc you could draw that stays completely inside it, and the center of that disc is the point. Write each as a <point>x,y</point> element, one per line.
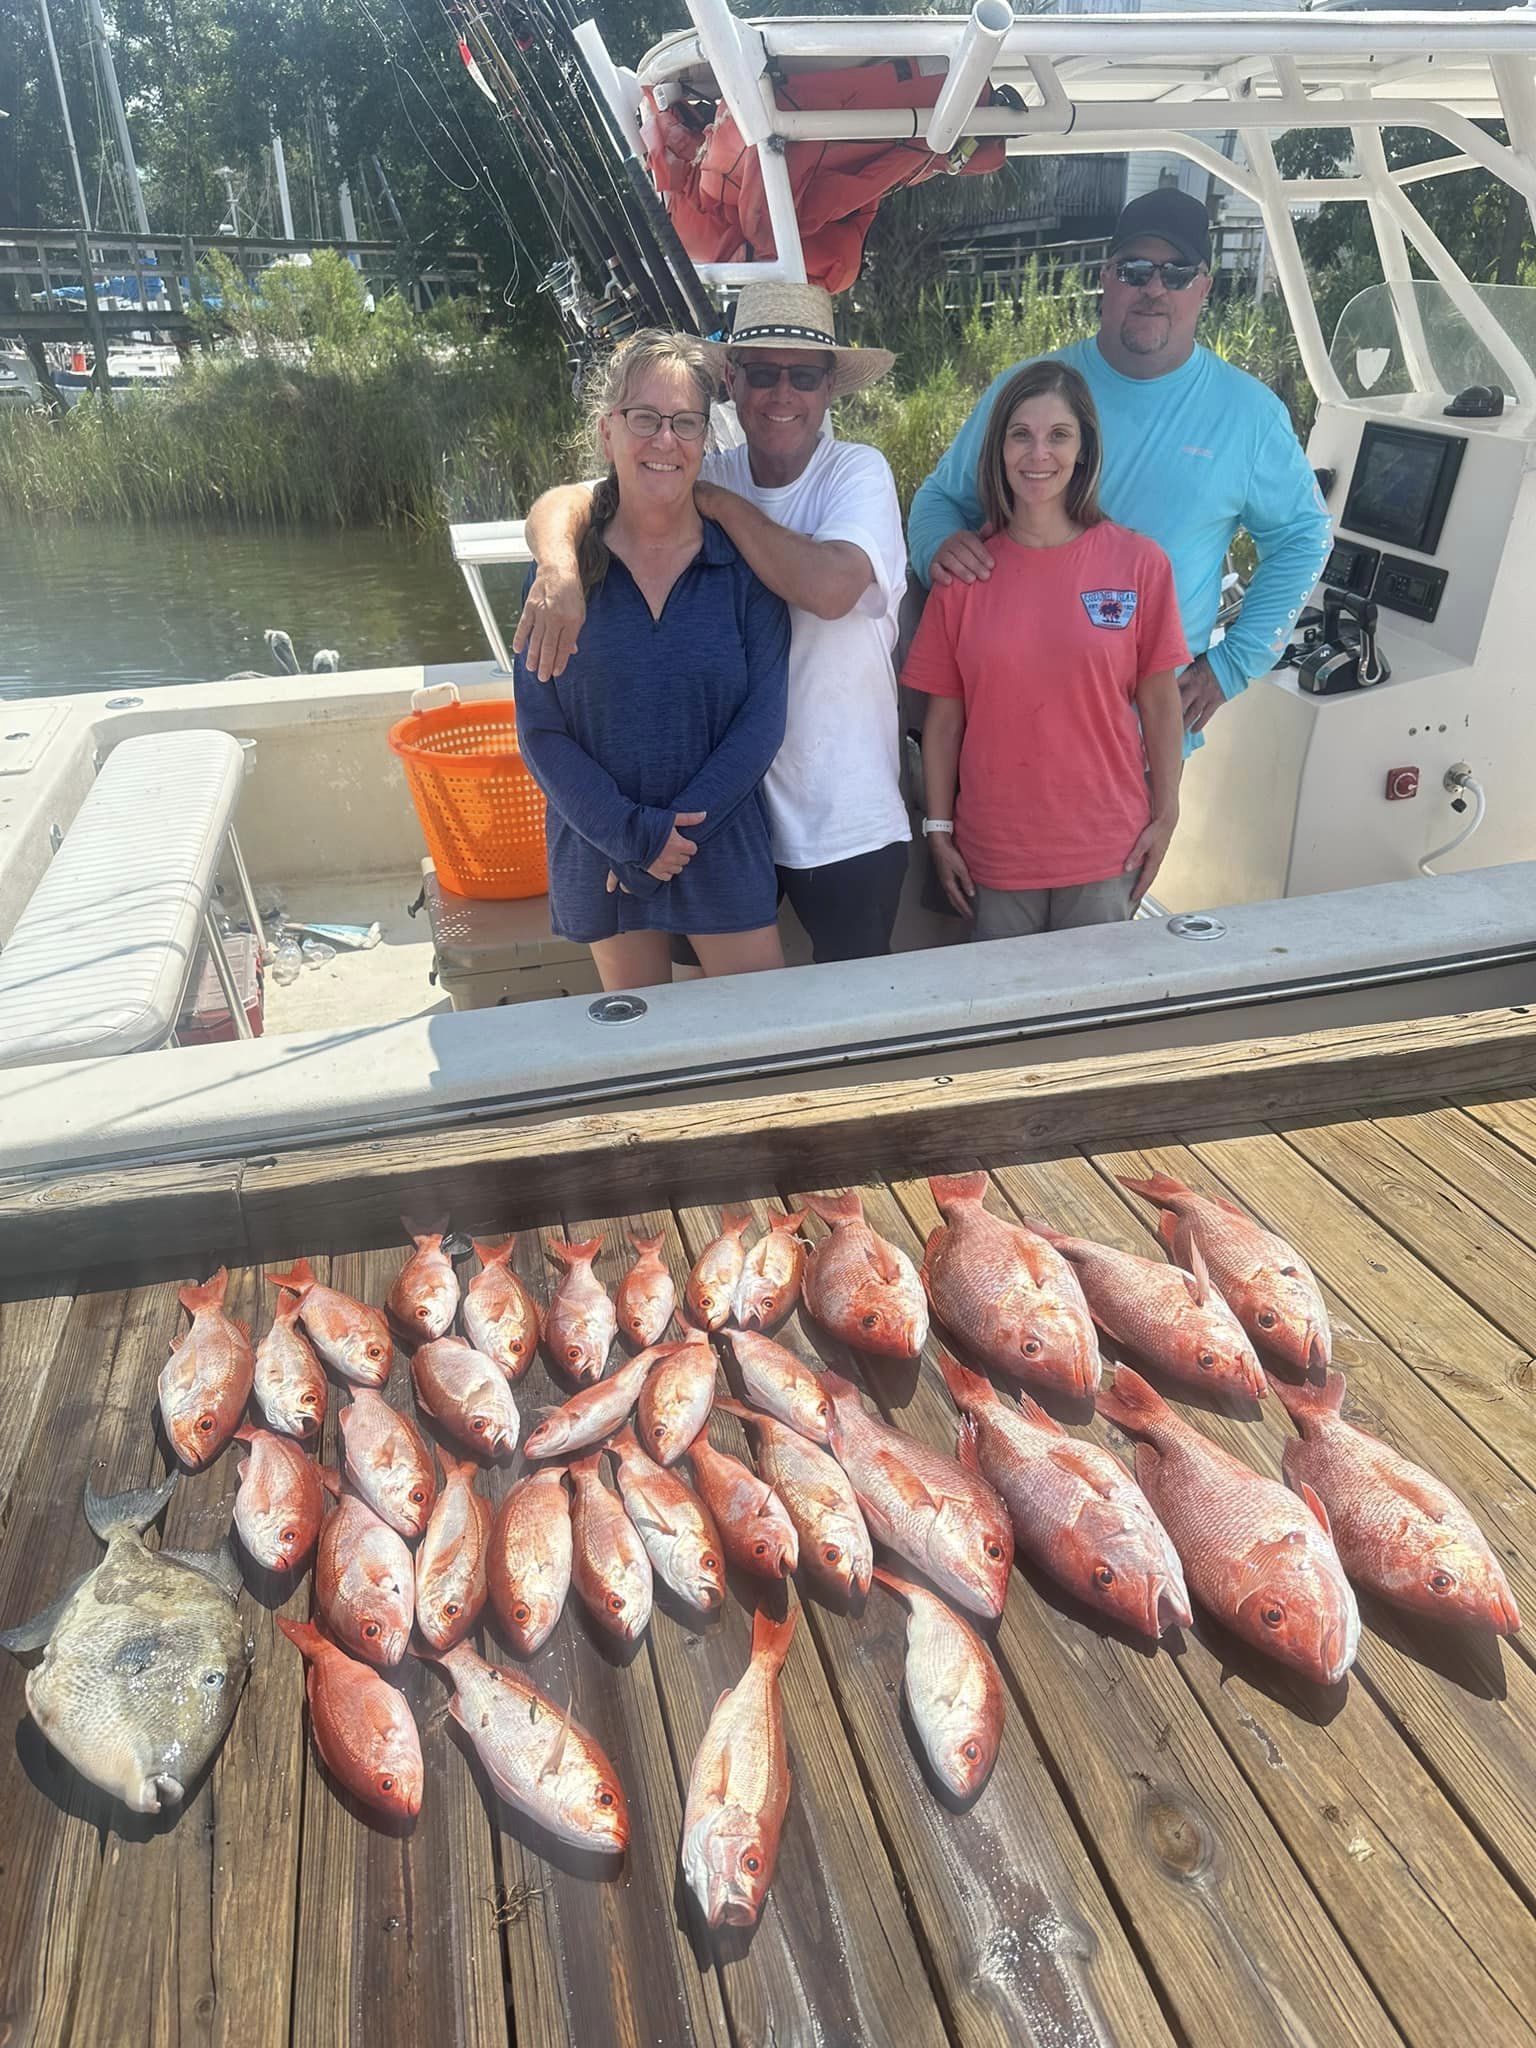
<point>652,349</point>
<point>1036,380</point>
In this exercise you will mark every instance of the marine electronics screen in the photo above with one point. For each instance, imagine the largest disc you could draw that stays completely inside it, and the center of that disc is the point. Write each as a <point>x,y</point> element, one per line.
<point>1402,485</point>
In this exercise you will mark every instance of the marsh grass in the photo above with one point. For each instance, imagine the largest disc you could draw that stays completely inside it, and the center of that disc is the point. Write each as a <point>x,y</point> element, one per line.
<point>315,411</point>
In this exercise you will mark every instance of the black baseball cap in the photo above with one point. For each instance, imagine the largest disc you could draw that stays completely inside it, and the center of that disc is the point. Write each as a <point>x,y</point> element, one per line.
<point>1174,216</point>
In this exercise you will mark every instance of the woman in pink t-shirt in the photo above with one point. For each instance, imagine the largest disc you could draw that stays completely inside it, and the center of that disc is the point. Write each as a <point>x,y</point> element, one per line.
<point>1052,747</point>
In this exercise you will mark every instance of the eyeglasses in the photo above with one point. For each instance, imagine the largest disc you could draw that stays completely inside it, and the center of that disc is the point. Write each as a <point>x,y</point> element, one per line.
<point>1139,271</point>
<point>765,376</point>
<point>645,424</point>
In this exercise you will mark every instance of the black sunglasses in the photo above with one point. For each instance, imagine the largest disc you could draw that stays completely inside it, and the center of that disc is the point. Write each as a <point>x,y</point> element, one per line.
<point>1139,271</point>
<point>765,376</point>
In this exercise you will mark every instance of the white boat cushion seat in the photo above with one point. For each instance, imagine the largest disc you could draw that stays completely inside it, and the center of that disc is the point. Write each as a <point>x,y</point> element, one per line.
<point>101,956</point>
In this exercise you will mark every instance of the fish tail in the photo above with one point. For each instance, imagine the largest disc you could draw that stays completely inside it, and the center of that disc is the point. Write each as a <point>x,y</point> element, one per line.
<point>646,1244</point>
<point>789,1222</point>
<point>423,1234</point>
<point>624,1439</point>
<point>847,1208</point>
<point>245,1434</point>
<point>893,1583</point>
<point>1158,1187</point>
<point>839,1388</point>
<point>1305,1400</point>
<point>490,1253</point>
<point>209,1295</point>
<point>965,1387</point>
<point>135,1509</point>
<point>303,1635</point>
<point>287,1302</point>
<point>589,1464</point>
<point>330,1479</point>
<point>457,1468</point>
<point>949,1188</point>
<point>771,1639</point>
<point>1129,1401</point>
<point>574,1254</point>
<point>735,1222</point>
<point>298,1280</point>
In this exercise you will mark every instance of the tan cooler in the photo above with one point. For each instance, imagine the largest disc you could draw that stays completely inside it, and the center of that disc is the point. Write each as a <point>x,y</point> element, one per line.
<point>491,952</point>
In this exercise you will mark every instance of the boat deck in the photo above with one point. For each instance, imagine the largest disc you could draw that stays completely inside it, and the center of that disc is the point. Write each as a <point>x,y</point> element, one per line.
<point>1181,1846</point>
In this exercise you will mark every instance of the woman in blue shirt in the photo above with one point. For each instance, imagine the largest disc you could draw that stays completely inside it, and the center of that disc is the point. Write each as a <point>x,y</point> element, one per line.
<point>652,745</point>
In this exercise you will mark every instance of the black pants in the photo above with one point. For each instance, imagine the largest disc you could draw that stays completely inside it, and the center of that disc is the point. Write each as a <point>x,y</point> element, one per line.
<point>848,907</point>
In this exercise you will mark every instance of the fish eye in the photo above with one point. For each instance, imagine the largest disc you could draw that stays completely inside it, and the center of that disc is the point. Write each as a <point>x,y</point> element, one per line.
<point>1266,1319</point>
<point>709,1561</point>
<point>417,1495</point>
<point>423,1314</point>
<point>1272,1615</point>
<point>372,1631</point>
<point>971,1751</point>
<point>770,1302</point>
<point>205,1423</point>
<point>994,1549</point>
<point>386,1784</point>
<point>605,1797</point>
<point>615,1603</point>
<point>573,1354</point>
<point>375,1351</point>
<point>310,1399</point>
<point>1104,1575</point>
<point>1032,1347</point>
<point>479,1424</point>
<point>288,1537</point>
<point>871,1321</point>
<point>450,1609</point>
<point>830,1554</point>
<point>759,1549</point>
<point>752,1863</point>
<point>660,1432</point>
<point>1441,1582</point>
<point>521,1613</point>
<point>1206,1361</point>
<point>213,1680</point>
<point>1291,1272</point>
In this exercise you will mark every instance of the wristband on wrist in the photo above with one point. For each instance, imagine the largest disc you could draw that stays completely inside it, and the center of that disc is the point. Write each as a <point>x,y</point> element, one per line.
<point>931,825</point>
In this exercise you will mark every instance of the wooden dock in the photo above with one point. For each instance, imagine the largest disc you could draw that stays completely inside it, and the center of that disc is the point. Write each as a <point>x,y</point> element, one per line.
<point>1185,1845</point>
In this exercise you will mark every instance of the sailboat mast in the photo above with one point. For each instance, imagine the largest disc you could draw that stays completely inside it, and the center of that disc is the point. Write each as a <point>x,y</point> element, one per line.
<point>69,126</point>
<point>119,118</point>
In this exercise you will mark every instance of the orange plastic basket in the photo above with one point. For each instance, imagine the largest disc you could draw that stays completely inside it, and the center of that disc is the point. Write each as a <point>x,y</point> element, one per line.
<point>481,810</point>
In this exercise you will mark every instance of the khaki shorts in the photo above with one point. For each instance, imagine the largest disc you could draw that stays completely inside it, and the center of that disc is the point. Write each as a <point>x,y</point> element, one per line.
<point>1019,913</point>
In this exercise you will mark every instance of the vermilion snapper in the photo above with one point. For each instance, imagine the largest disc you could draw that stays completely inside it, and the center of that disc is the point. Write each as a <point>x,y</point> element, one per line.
<point>954,1689</point>
<point>352,1338</point>
<point>1398,1531</point>
<point>362,1727</point>
<point>716,1271</point>
<point>595,1412</point>
<point>582,1321</point>
<point>834,1545</point>
<point>206,1381</point>
<point>927,1508</point>
<point>451,1562</point>
<point>738,1789</point>
<point>1267,1283</point>
<point>609,1565</point>
<point>1255,1556</point>
<point>467,1395</point>
<point>676,1399</point>
<point>771,1279</point>
<point>501,1318</point>
<point>365,1583</point>
<point>680,1538</point>
<point>388,1462</point>
<point>862,1288</point>
<point>755,1527</point>
<point>281,1501</point>
<point>775,1379</point>
<point>647,1294</point>
<point>538,1758</point>
<point>529,1567</point>
<point>1076,1511</point>
<point>1009,1298</point>
<point>425,1296</point>
<point>1172,1318</point>
<point>288,1383</point>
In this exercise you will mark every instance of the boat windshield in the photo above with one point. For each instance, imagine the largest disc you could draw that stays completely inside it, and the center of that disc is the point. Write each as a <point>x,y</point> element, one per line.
<point>1393,340</point>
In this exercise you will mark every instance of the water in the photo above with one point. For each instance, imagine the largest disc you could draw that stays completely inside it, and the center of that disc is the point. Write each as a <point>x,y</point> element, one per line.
<point>92,608</point>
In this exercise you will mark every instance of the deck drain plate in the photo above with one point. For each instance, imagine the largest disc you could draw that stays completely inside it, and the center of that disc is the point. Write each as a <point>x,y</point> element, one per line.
<point>616,1009</point>
<point>1196,925</point>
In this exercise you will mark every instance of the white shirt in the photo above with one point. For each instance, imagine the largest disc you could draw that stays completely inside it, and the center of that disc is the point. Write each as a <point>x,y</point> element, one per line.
<point>834,790</point>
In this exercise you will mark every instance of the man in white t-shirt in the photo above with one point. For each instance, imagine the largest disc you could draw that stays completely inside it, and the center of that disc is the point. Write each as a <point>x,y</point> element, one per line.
<point>818,521</point>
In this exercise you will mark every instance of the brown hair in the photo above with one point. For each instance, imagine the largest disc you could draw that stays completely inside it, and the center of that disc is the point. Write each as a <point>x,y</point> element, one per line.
<point>652,349</point>
<point>1036,380</point>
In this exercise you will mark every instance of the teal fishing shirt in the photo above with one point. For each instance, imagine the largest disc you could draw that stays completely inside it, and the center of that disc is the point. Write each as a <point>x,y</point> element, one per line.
<point>1189,458</point>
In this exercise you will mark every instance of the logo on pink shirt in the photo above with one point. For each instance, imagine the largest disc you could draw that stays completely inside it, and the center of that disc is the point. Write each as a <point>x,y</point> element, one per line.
<point>1111,608</point>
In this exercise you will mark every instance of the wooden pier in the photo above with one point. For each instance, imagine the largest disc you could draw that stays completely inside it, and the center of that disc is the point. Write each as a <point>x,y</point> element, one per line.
<point>1181,1846</point>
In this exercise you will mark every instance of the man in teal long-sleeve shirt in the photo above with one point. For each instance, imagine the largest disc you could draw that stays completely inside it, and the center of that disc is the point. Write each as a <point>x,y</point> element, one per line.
<point>1194,449</point>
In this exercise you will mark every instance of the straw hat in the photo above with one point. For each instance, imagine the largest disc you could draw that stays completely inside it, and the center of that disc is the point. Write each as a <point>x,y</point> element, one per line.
<point>800,316</point>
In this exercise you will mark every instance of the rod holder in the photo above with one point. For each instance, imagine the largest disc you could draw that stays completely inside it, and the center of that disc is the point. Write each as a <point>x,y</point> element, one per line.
<point>980,40</point>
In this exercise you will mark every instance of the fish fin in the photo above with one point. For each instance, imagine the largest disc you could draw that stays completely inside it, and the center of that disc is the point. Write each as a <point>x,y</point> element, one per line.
<point>136,1509</point>
<point>245,1434</point>
<point>1189,1258</point>
<point>789,1223</point>
<point>242,1326</point>
<point>298,1279</point>
<point>737,1408</point>
<point>905,1481</point>
<point>834,1209</point>
<point>1068,1455</point>
<point>490,1253</point>
<point>456,1467</point>
<point>287,1302</point>
<point>209,1295</point>
<point>303,1635</point>
<point>552,1762</point>
<point>903,1588</point>
<point>1167,1230</point>
<point>624,1439</point>
<point>1307,1402</point>
<point>839,1388</point>
<point>330,1479</point>
<point>967,1452</point>
<point>218,1565</point>
<point>950,1188</point>
<point>33,1634</point>
<point>1129,1400</point>
<point>886,1263</point>
<point>1031,1411</point>
<point>966,1388</point>
<point>646,1245</point>
<point>1158,1187</point>
<point>654,1517</point>
<point>735,1222</point>
<point>573,1254</point>
<point>1315,1504</point>
<point>771,1639</point>
<point>1146,1458</point>
<point>421,1233</point>
<point>242,1466</point>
